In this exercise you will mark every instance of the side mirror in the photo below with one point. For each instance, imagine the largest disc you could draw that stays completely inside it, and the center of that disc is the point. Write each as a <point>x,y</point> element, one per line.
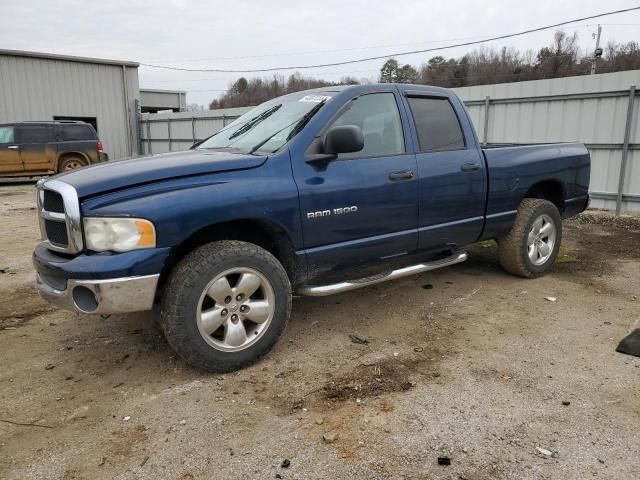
<point>343,139</point>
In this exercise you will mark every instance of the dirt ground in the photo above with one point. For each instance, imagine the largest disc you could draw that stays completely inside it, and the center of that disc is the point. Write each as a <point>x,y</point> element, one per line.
<point>466,362</point>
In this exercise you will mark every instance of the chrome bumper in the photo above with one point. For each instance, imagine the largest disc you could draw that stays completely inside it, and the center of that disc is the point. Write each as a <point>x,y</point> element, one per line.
<point>114,295</point>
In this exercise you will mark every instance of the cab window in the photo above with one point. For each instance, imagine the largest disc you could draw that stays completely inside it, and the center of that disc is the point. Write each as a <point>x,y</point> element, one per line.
<point>77,132</point>
<point>35,133</point>
<point>437,124</point>
<point>6,135</point>
<point>378,116</point>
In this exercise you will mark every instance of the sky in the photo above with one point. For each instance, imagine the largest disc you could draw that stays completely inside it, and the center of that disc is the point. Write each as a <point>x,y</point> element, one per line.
<point>244,34</point>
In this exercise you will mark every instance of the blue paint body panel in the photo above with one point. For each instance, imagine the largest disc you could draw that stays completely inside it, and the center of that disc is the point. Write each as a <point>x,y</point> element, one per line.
<point>99,266</point>
<point>513,171</point>
<point>441,207</point>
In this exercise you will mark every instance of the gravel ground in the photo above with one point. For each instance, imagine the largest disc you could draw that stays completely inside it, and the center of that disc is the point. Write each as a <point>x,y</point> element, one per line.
<point>467,363</point>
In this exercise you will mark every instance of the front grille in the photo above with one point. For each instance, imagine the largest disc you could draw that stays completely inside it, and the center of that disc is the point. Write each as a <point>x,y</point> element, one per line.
<point>56,232</point>
<point>52,202</point>
<point>59,211</point>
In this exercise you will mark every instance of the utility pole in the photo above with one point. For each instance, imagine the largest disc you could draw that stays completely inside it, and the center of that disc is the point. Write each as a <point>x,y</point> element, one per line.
<point>597,52</point>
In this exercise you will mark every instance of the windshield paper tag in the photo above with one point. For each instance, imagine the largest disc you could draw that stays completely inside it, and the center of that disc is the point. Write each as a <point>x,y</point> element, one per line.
<point>314,98</point>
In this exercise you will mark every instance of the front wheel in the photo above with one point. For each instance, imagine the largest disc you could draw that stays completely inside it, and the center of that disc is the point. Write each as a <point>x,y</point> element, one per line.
<point>225,305</point>
<point>532,245</point>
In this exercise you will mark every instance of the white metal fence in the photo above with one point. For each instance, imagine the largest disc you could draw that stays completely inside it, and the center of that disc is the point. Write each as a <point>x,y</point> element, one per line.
<point>171,132</point>
<point>600,111</point>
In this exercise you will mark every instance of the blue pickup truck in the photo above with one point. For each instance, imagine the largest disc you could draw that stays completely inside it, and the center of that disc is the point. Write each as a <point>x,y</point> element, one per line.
<point>315,192</point>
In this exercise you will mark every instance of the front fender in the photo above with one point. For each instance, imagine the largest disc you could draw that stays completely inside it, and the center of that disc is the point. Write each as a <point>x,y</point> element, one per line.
<point>179,208</point>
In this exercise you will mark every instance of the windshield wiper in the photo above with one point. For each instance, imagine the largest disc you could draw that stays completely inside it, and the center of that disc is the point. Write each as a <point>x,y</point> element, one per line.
<point>305,119</point>
<point>300,123</point>
<point>254,121</point>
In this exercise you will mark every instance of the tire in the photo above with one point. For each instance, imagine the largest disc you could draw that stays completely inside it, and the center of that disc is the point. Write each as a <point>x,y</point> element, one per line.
<point>189,310</point>
<point>518,254</point>
<point>71,163</point>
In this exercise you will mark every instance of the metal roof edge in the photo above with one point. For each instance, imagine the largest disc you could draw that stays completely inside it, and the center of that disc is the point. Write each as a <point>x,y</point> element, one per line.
<point>67,58</point>
<point>157,90</point>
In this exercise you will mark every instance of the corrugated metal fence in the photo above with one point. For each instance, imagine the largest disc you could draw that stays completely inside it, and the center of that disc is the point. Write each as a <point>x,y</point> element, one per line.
<point>599,110</point>
<point>171,132</point>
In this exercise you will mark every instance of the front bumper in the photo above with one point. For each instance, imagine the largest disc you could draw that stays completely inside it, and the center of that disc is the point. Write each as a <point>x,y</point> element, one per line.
<point>99,282</point>
<point>115,295</point>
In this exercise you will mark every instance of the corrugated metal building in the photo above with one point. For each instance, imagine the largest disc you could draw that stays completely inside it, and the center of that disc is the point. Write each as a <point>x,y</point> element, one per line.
<point>41,86</point>
<point>154,101</point>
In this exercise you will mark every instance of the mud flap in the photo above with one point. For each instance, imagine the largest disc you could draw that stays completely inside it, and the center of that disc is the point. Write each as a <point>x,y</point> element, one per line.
<point>630,344</point>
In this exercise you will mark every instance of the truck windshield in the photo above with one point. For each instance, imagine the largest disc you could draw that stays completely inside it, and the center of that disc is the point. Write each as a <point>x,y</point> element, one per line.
<point>269,126</point>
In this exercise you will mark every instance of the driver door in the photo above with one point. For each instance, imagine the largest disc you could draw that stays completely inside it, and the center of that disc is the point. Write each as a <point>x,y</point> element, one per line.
<point>361,207</point>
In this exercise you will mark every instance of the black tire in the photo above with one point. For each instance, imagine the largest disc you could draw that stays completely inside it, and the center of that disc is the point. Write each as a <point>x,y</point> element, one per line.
<point>71,163</point>
<point>185,289</point>
<point>513,248</point>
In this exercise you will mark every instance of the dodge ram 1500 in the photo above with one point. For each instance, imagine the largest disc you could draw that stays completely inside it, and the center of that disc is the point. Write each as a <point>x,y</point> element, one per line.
<point>315,192</point>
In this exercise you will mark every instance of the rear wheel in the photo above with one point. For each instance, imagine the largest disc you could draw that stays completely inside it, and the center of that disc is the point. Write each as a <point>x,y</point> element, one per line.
<point>71,163</point>
<point>225,305</point>
<point>532,245</point>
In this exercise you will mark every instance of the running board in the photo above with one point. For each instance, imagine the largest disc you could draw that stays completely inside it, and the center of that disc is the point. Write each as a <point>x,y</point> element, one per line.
<point>324,290</point>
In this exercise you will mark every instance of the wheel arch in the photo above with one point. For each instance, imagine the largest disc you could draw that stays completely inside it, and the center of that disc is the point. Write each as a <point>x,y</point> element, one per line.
<point>551,190</point>
<point>263,233</point>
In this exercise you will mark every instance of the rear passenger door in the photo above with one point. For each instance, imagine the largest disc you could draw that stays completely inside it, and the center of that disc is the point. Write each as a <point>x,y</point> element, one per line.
<point>9,151</point>
<point>451,197</point>
<point>37,147</point>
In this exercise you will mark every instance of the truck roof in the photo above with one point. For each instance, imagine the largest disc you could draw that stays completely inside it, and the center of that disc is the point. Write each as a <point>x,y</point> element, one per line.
<point>380,86</point>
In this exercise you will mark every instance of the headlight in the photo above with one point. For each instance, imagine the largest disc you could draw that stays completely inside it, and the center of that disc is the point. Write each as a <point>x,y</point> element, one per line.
<point>118,234</point>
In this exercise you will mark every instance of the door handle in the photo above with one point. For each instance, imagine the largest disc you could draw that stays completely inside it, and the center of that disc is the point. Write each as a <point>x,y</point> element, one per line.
<point>401,175</point>
<point>13,147</point>
<point>470,167</point>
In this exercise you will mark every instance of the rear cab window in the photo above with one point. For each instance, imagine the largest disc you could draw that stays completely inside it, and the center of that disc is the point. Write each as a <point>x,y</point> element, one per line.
<point>7,134</point>
<point>437,124</point>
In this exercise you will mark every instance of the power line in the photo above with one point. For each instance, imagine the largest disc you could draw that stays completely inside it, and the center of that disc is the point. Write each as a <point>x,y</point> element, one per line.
<point>311,52</point>
<point>234,77</point>
<point>335,50</point>
<point>397,54</point>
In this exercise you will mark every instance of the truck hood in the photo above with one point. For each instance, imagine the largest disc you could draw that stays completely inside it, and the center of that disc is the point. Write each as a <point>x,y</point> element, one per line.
<point>118,174</point>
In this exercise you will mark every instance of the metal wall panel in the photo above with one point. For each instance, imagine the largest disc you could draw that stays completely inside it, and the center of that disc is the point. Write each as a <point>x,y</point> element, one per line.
<point>590,109</point>
<point>163,99</point>
<point>33,88</point>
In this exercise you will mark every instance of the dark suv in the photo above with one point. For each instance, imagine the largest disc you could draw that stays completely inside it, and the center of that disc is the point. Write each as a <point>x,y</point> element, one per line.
<point>33,148</point>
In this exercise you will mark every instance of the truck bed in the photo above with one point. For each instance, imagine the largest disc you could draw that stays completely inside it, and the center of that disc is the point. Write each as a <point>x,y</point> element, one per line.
<point>513,172</point>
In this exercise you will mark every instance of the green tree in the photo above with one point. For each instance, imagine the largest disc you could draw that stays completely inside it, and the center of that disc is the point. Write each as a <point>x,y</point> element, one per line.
<point>392,72</point>
<point>407,74</point>
<point>389,71</point>
<point>240,85</point>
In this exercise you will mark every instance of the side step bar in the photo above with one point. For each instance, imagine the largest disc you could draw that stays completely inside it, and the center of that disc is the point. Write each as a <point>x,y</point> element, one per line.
<point>324,290</point>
